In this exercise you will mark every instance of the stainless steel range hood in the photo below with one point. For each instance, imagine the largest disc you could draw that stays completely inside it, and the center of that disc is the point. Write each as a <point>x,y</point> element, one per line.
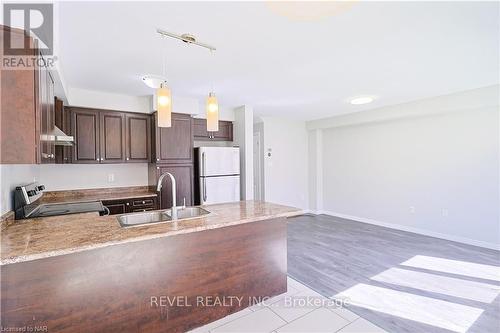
<point>58,137</point>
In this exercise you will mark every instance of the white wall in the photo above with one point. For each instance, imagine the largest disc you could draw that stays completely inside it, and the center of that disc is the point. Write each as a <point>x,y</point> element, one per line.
<point>437,174</point>
<point>105,100</point>
<point>12,175</point>
<point>77,176</point>
<point>243,137</point>
<point>286,170</point>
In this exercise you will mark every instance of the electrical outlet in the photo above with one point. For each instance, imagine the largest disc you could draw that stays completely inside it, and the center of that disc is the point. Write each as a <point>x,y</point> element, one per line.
<point>111,177</point>
<point>444,212</point>
<point>412,209</point>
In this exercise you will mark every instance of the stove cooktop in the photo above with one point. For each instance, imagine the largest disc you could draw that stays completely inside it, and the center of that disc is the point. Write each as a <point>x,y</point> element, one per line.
<point>67,208</point>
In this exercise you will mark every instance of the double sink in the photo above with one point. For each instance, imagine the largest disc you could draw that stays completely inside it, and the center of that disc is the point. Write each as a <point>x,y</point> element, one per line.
<point>158,216</point>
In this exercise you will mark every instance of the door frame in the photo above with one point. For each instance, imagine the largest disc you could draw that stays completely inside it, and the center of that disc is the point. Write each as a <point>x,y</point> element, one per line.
<point>257,166</point>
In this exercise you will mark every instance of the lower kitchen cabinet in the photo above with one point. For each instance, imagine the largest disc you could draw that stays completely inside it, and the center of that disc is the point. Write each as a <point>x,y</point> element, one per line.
<point>183,174</point>
<point>123,206</point>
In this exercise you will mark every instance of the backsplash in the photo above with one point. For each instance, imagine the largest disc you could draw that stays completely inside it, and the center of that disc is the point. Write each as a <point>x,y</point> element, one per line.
<point>69,177</point>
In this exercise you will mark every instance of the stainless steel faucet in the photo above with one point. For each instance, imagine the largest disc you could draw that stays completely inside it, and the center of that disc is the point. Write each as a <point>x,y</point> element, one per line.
<point>174,192</point>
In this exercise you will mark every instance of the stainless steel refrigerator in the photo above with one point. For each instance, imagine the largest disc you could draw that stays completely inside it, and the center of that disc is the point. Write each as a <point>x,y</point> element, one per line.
<point>218,174</point>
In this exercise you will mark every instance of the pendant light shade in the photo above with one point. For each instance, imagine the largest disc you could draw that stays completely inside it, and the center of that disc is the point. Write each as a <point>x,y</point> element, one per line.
<point>164,106</point>
<point>212,113</point>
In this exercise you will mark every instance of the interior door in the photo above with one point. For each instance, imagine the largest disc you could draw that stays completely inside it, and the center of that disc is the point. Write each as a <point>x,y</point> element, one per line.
<point>112,128</point>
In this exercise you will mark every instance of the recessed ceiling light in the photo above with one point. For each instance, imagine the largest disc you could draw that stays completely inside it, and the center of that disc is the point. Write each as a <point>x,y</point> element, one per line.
<point>362,100</point>
<point>153,81</point>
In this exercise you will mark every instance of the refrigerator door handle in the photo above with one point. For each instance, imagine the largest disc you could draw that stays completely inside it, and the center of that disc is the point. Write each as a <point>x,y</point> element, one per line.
<point>203,164</point>
<point>204,189</point>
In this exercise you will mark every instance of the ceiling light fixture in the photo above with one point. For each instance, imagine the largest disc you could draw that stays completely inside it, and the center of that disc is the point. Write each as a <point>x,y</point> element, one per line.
<point>153,81</point>
<point>362,100</point>
<point>186,38</point>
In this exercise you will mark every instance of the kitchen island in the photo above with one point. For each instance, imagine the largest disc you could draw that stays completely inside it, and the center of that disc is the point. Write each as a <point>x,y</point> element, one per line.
<point>84,272</point>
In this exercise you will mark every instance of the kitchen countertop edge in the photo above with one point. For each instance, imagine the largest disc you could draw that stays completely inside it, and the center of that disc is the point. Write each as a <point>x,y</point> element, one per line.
<point>54,253</point>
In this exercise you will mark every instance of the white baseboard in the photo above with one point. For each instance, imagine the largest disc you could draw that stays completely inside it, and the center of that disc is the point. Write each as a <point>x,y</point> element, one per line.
<point>424,232</point>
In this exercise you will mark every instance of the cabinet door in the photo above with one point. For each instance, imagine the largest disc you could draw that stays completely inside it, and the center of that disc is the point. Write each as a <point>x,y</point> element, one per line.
<point>117,206</point>
<point>62,120</point>
<point>225,131</point>
<point>175,144</point>
<point>45,154</point>
<point>200,129</point>
<point>183,175</point>
<point>112,139</point>
<point>51,147</point>
<point>85,129</point>
<point>138,137</point>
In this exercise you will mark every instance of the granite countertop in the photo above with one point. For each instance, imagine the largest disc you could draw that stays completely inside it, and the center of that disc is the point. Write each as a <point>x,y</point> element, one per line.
<point>44,237</point>
<point>118,193</point>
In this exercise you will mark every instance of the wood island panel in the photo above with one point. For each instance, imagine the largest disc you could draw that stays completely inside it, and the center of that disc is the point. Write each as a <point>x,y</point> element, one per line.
<point>109,289</point>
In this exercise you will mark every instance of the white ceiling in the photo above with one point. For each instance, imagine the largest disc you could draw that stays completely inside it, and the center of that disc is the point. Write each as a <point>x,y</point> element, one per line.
<point>306,69</point>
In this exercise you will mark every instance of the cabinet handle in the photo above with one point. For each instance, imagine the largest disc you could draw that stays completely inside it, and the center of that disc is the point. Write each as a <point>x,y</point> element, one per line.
<point>97,159</point>
<point>157,159</point>
<point>128,204</point>
<point>128,158</point>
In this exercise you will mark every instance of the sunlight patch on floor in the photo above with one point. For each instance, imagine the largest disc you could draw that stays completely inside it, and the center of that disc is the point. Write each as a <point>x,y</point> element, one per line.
<point>430,311</point>
<point>476,291</point>
<point>458,267</point>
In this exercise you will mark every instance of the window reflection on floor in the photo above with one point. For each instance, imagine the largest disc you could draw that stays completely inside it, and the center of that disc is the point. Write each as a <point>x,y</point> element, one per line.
<point>431,311</point>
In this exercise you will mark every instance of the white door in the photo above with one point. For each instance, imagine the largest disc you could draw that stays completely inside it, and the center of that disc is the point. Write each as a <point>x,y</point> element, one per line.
<point>257,170</point>
<point>219,189</point>
<point>219,161</point>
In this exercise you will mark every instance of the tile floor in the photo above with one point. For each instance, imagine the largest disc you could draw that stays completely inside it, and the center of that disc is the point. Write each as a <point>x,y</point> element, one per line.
<point>300,309</point>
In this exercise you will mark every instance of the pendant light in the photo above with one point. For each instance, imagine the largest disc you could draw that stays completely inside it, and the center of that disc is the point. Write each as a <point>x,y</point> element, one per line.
<point>212,111</point>
<point>164,100</point>
<point>164,105</point>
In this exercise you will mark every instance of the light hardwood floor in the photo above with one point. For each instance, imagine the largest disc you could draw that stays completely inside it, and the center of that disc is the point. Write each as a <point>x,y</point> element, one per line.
<point>400,281</point>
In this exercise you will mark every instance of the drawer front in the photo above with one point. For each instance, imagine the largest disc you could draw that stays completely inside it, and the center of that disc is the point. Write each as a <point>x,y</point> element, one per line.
<point>134,210</point>
<point>143,202</point>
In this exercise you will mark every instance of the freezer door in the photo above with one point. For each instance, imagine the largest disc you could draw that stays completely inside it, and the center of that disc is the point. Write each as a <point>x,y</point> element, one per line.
<point>219,189</point>
<point>219,161</point>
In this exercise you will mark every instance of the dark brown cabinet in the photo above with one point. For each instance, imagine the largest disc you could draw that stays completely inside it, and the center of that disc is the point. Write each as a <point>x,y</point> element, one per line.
<point>225,132</point>
<point>85,130</point>
<point>112,137</point>
<point>63,121</point>
<point>103,136</point>
<point>183,174</point>
<point>138,145</point>
<point>174,144</point>
<point>123,206</point>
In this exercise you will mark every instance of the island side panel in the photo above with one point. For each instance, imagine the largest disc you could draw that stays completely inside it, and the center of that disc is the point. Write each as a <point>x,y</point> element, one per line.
<point>148,286</point>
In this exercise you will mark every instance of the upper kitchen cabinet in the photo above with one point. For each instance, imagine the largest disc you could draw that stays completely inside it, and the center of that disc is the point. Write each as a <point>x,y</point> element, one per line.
<point>112,137</point>
<point>103,136</point>
<point>19,117</point>
<point>85,130</point>
<point>225,132</point>
<point>174,144</point>
<point>46,106</point>
<point>138,137</point>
